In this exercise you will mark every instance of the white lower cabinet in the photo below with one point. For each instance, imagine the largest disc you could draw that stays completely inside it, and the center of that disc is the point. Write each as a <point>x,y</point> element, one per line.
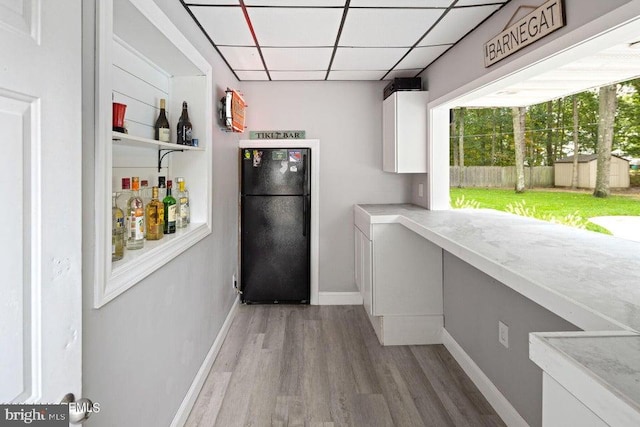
<point>399,274</point>
<point>560,408</point>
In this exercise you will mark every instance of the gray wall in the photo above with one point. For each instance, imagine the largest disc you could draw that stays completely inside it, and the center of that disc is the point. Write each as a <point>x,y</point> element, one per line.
<point>142,350</point>
<point>347,119</point>
<point>416,180</point>
<point>473,305</point>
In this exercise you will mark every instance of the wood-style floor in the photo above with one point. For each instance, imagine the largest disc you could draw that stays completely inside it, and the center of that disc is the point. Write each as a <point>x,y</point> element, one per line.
<point>323,366</point>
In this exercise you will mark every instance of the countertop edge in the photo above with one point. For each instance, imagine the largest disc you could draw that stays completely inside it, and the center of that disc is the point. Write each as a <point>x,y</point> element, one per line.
<point>603,399</point>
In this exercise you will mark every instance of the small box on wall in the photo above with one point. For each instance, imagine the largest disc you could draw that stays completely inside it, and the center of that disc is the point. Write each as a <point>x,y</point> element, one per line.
<point>232,111</point>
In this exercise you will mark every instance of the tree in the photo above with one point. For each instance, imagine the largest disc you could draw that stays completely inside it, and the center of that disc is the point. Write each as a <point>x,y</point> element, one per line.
<point>549,142</point>
<point>576,147</point>
<point>606,120</point>
<point>518,115</point>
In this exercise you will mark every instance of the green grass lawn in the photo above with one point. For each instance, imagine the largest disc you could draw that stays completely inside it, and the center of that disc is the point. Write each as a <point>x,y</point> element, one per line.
<point>558,204</point>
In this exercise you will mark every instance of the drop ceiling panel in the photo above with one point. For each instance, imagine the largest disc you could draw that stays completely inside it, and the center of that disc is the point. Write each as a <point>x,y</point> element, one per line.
<point>367,58</point>
<point>478,2</point>
<point>225,25</point>
<point>321,3</point>
<point>297,75</point>
<point>387,27</point>
<point>295,26</point>
<point>457,23</point>
<point>356,75</point>
<point>292,58</point>
<point>401,3</point>
<point>213,2</point>
<point>252,75</point>
<point>242,58</point>
<point>420,57</point>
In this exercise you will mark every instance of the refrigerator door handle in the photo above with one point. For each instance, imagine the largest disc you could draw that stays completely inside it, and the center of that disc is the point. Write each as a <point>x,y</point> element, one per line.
<point>304,216</point>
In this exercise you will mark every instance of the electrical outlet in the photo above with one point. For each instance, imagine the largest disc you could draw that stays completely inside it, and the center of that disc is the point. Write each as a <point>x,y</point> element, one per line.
<point>503,334</point>
<point>234,281</point>
<point>420,190</point>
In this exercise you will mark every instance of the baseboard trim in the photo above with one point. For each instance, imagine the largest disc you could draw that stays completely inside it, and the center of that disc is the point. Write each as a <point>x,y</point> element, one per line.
<point>190,398</point>
<point>339,298</point>
<point>500,404</point>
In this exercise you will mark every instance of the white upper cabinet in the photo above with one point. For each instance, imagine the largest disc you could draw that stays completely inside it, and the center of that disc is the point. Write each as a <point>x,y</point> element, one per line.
<point>404,132</point>
<point>142,57</point>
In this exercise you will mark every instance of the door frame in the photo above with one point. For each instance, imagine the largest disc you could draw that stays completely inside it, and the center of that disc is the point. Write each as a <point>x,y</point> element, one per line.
<point>314,145</point>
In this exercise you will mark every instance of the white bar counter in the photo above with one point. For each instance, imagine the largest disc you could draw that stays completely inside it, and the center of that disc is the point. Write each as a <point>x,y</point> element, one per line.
<point>590,279</point>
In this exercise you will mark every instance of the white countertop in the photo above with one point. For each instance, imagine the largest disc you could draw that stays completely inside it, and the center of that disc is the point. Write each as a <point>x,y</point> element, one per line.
<point>590,279</point>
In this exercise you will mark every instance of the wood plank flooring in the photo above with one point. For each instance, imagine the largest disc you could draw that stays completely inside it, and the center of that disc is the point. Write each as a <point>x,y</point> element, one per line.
<point>322,366</point>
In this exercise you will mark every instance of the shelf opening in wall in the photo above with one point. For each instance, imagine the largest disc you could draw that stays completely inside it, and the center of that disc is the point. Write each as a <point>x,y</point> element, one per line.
<point>141,57</point>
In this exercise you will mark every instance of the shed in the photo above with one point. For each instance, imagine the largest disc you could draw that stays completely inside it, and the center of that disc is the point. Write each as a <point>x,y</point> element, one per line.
<point>587,170</point>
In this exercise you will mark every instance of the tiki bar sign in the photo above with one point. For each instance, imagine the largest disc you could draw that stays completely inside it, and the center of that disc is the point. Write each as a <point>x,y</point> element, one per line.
<point>539,23</point>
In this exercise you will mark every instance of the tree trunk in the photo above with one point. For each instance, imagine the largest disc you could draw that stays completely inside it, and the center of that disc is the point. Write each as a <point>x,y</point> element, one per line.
<point>606,120</point>
<point>518,116</point>
<point>549,145</point>
<point>454,144</point>
<point>461,143</point>
<point>493,137</point>
<point>576,146</point>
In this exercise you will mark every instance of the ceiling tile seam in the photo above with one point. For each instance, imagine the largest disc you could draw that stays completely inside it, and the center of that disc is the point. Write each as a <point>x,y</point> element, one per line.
<point>335,46</point>
<point>421,38</point>
<point>463,37</point>
<point>255,38</point>
<point>209,38</point>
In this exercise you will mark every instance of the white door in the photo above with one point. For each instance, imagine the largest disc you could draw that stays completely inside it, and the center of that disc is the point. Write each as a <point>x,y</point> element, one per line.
<point>40,176</point>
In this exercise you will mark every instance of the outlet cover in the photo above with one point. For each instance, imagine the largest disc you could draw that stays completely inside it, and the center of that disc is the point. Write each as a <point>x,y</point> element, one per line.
<point>420,190</point>
<point>503,334</point>
<point>234,283</point>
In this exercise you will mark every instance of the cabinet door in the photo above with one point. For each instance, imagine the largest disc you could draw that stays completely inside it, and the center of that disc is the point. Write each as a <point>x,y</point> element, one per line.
<point>411,132</point>
<point>367,274</point>
<point>358,257</point>
<point>407,273</point>
<point>389,131</point>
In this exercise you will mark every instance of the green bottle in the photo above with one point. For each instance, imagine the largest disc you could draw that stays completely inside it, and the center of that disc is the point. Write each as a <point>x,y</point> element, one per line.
<point>170,209</point>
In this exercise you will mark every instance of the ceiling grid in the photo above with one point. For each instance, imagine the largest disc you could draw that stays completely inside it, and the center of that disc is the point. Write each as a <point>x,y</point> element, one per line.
<point>335,39</point>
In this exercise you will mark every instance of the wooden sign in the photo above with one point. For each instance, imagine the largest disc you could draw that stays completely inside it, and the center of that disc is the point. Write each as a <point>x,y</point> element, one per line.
<point>277,134</point>
<point>541,22</point>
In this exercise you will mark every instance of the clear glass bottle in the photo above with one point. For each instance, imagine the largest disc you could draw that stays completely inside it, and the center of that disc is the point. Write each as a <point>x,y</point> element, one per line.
<point>154,216</point>
<point>135,217</point>
<point>124,194</point>
<point>162,187</point>
<point>169,211</point>
<point>163,133</point>
<point>145,191</point>
<point>117,230</point>
<point>184,127</point>
<point>183,214</point>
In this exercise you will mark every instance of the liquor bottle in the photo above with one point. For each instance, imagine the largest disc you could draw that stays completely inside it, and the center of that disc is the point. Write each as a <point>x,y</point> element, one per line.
<point>154,216</point>
<point>169,211</point>
<point>184,127</point>
<point>123,196</point>
<point>184,215</point>
<point>163,133</point>
<point>135,217</point>
<point>145,191</point>
<point>117,230</point>
<point>162,188</point>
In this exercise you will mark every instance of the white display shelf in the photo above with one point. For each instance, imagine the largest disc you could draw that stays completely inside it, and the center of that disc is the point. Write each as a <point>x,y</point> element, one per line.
<point>136,38</point>
<point>137,141</point>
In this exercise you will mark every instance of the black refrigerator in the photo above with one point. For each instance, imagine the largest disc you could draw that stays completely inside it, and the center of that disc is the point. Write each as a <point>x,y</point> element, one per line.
<point>275,225</point>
